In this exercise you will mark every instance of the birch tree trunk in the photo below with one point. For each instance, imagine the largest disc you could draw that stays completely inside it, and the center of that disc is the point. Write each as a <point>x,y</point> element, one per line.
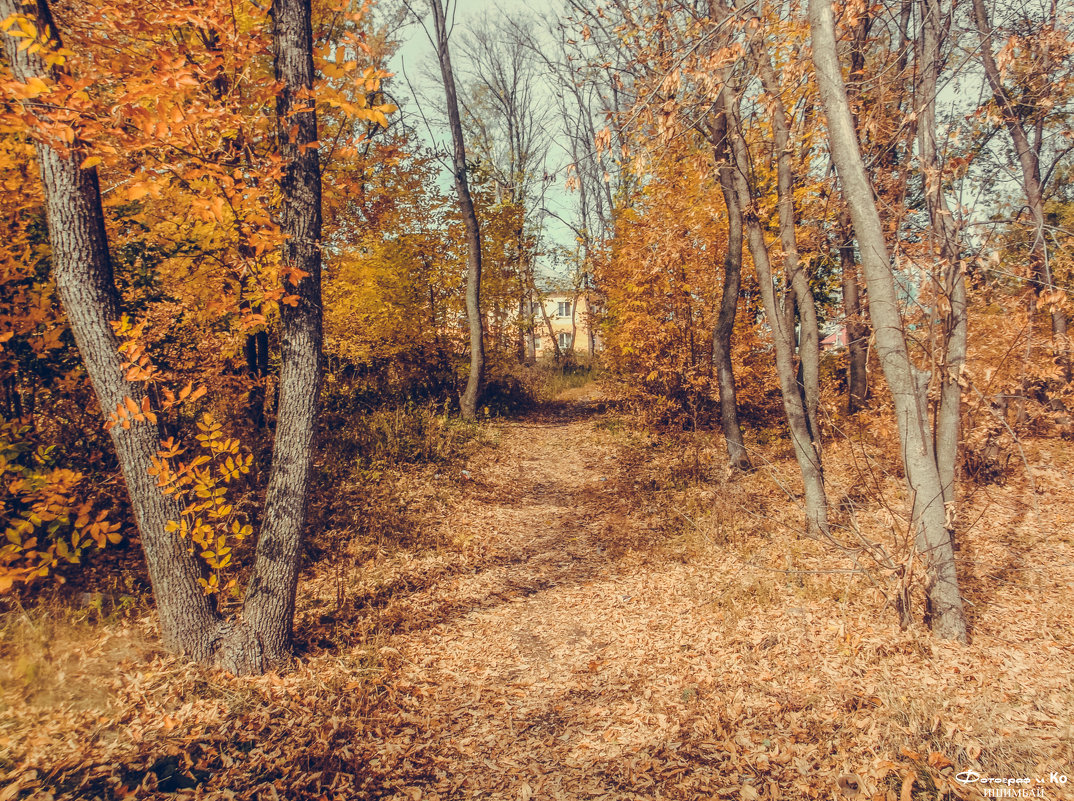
<point>908,384</point>
<point>470,396</point>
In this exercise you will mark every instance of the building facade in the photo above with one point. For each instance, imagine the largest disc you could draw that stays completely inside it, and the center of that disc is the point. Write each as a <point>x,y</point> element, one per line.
<point>573,322</point>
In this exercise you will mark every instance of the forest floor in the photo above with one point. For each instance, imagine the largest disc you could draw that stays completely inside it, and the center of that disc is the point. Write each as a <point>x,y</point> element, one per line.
<point>587,628</point>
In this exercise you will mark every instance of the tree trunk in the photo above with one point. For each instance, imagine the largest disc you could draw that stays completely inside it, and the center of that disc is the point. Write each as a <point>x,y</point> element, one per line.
<point>951,281</point>
<point>574,324</point>
<point>470,396</point>
<point>725,321</point>
<point>521,329</point>
<point>1029,161</point>
<point>557,352</point>
<point>82,270</point>
<point>854,325</point>
<point>255,348</point>
<point>908,384</point>
<point>805,450</point>
<point>809,340</point>
<point>269,606</point>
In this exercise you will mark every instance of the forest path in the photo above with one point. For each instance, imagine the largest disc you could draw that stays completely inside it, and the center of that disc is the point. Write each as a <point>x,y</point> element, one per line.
<point>565,664</point>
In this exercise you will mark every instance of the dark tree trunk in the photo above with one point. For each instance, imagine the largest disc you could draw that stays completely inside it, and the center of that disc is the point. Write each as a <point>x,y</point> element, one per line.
<point>725,321</point>
<point>908,384</point>
<point>471,395</point>
<point>269,606</point>
<point>256,350</point>
<point>521,332</point>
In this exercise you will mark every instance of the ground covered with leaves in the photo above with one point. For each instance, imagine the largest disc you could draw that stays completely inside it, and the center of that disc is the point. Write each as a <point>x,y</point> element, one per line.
<point>597,613</point>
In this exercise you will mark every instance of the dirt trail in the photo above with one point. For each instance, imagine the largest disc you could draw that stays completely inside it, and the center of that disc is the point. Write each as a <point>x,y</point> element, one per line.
<point>563,670</point>
<point>566,651</point>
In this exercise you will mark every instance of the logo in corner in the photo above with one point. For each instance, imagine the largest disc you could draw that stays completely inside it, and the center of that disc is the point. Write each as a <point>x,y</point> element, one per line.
<point>967,777</point>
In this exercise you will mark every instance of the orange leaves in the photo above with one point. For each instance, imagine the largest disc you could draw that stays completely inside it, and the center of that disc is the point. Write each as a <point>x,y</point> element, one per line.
<point>1054,300</point>
<point>357,108</point>
<point>129,411</point>
<point>572,183</point>
<point>191,395</point>
<point>35,87</point>
<point>357,94</point>
<point>603,139</point>
<point>662,285</point>
<point>23,29</point>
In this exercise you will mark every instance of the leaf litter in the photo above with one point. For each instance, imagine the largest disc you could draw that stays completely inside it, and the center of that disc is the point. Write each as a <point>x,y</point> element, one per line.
<point>565,643</point>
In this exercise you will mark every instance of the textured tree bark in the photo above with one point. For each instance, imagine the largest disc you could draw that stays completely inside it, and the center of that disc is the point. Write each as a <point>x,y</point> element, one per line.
<point>725,320</point>
<point>82,269</point>
<point>1029,161</point>
<point>471,395</point>
<point>953,318</point>
<point>908,385</point>
<point>269,606</point>
<point>805,450</point>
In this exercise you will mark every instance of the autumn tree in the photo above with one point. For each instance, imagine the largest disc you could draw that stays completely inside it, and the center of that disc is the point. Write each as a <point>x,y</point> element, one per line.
<point>661,282</point>
<point>393,296</point>
<point>1029,90</point>
<point>84,276</point>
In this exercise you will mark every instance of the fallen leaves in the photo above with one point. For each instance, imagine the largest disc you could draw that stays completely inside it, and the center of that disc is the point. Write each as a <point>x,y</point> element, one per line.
<point>507,664</point>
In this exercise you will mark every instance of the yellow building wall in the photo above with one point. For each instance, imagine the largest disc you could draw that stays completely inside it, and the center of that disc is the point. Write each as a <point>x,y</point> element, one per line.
<point>561,324</point>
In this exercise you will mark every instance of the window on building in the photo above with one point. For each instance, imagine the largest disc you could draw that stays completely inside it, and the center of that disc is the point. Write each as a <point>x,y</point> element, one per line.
<point>564,340</point>
<point>564,309</point>
<point>536,343</point>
